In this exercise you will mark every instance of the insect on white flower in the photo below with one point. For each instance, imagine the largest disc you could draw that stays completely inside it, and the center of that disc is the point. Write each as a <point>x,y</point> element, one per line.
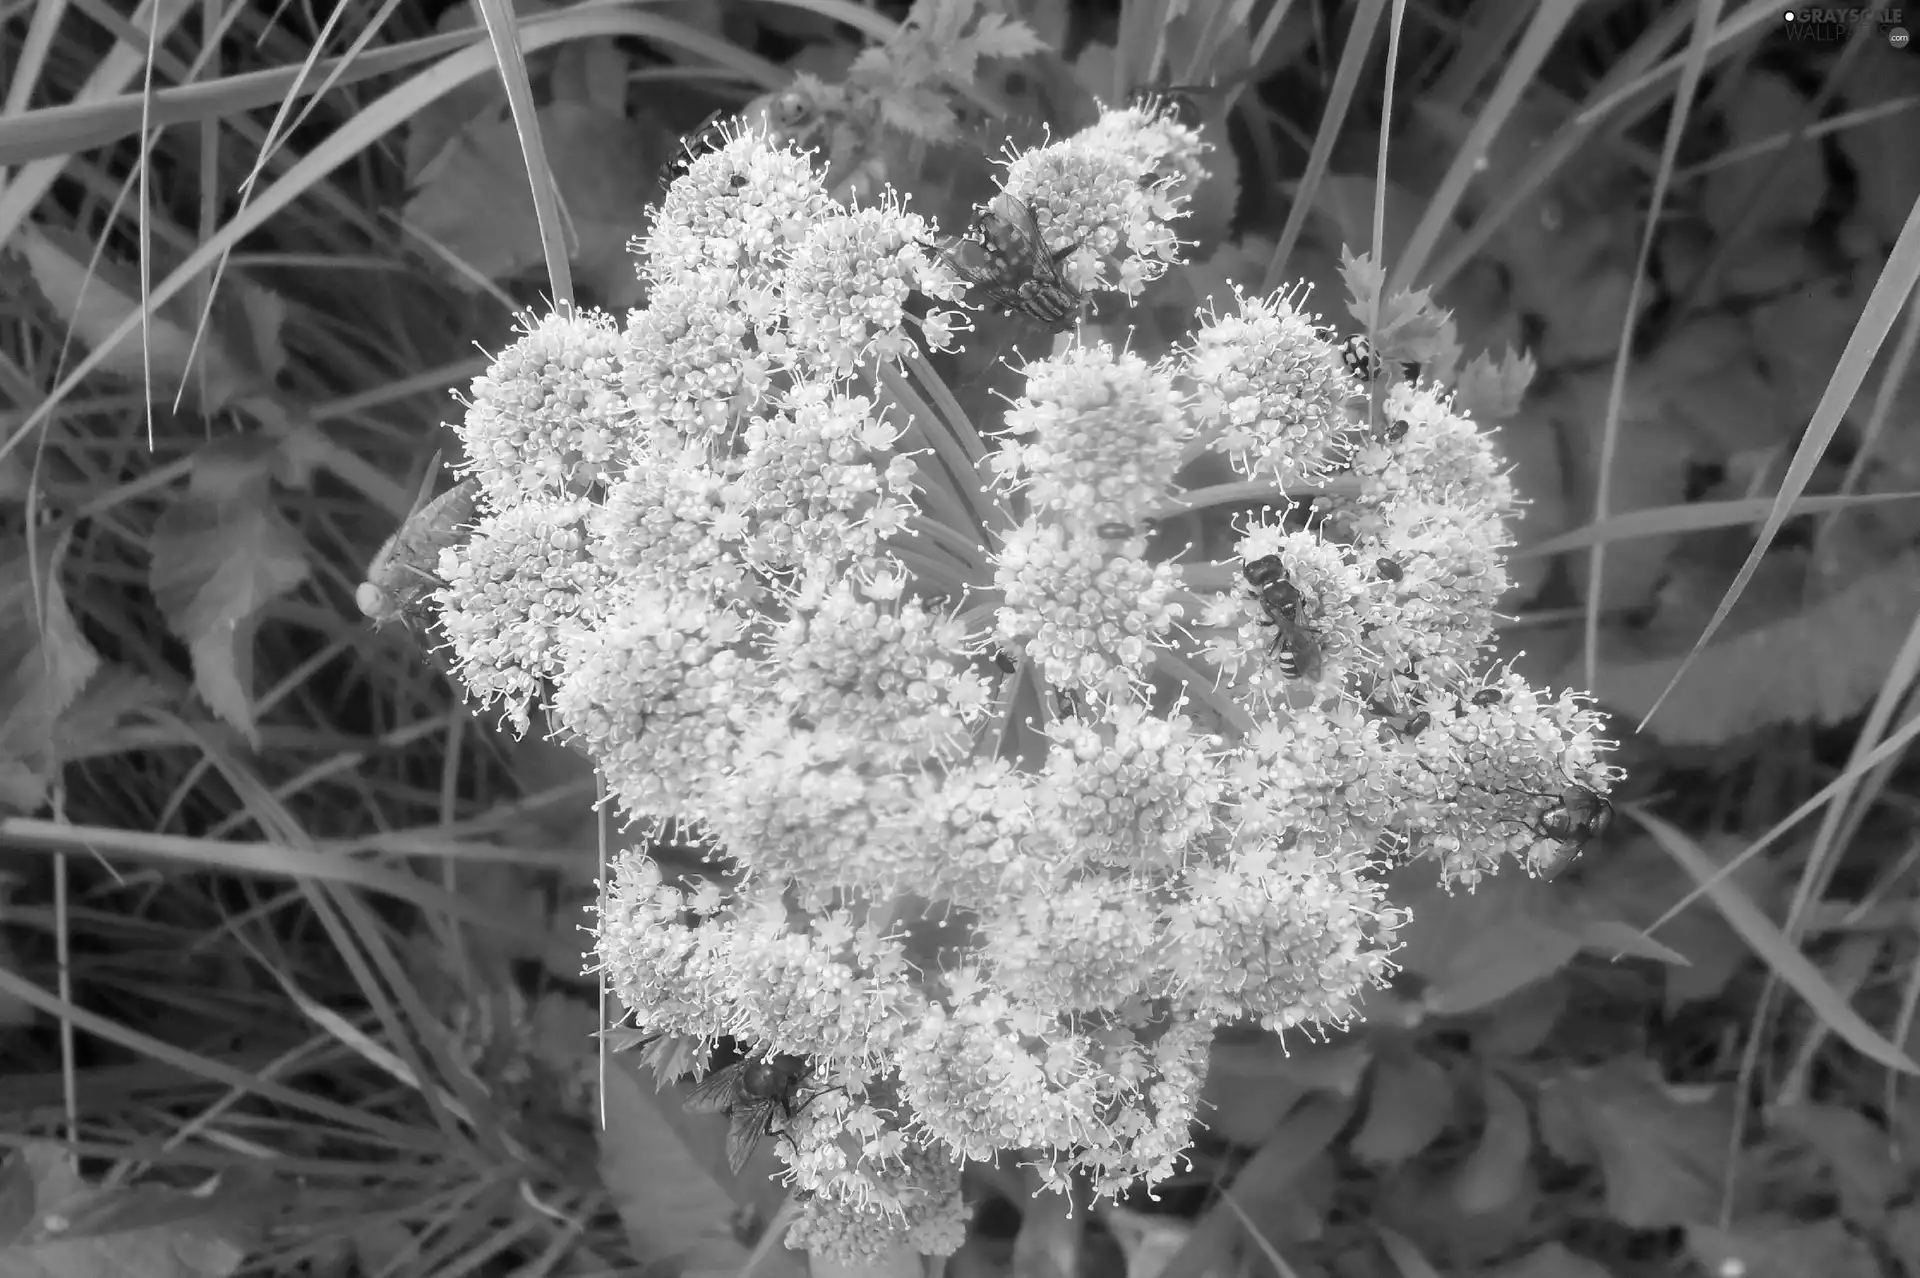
<point>401,574</point>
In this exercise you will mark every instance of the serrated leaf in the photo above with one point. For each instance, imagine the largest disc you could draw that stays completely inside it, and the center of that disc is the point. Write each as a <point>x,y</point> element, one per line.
<point>999,36</point>
<point>237,351</point>
<point>1663,1156</point>
<point>45,662</point>
<point>1494,1173</point>
<point>1408,1106</point>
<point>1839,647</point>
<point>221,553</point>
<point>1490,391</point>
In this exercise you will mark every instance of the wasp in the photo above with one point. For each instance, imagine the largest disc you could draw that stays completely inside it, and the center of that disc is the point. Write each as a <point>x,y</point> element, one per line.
<point>1005,256</point>
<point>755,1095</point>
<point>1281,602</point>
<point>1580,816</point>
<point>708,138</point>
<point>401,574</point>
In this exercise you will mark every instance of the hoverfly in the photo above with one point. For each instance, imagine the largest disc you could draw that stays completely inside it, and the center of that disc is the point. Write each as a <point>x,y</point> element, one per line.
<point>1581,815</point>
<point>1281,602</point>
<point>401,574</point>
<point>1005,256</point>
<point>753,1094</point>
<point>709,137</point>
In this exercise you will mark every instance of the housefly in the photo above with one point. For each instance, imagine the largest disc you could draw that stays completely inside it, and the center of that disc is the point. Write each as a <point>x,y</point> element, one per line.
<point>402,573</point>
<point>1006,257</point>
<point>757,1097</point>
<point>1580,816</point>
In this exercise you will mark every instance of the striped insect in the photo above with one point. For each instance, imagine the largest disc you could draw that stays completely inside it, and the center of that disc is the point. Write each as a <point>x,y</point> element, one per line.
<point>757,1097</point>
<point>1359,357</point>
<point>402,573</point>
<point>1280,600</point>
<point>1006,257</point>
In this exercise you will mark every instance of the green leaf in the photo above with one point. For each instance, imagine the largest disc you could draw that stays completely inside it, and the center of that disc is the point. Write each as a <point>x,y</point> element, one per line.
<point>1663,1151</point>
<point>1552,1261</point>
<point>138,1231</point>
<point>1780,955</point>
<point>235,353</point>
<point>1839,644</point>
<point>1473,949</point>
<point>1777,1246</point>
<point>1494,1174</point>
<point>44,664</point>
<point>1408,1106</point>
<point>1864,1170</point>
<point>1488,391</point>
<point>221,553</point>
<point>673,1207</point>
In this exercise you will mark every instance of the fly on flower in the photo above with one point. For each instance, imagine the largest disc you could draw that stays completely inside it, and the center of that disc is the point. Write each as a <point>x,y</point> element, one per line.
<point>1005,256</point>
<point>754,1094</point>
<point>1580,816</point>
<point>709,137</point>
<point>1184,102</point>
<point>402,573</point>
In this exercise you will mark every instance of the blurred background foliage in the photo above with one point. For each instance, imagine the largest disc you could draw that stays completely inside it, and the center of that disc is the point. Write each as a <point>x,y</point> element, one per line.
<point>291,948</point>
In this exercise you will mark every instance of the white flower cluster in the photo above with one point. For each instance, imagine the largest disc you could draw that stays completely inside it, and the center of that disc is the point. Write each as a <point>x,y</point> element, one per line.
<point>1006,815</point>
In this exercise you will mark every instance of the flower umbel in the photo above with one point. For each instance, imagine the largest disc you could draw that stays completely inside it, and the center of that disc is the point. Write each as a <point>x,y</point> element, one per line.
<point>1010,799</point>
